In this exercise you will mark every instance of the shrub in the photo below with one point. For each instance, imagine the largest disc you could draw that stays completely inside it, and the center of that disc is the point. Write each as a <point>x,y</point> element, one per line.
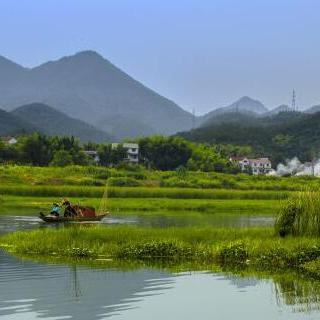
<point>234,253</point>
<point>154,249</point>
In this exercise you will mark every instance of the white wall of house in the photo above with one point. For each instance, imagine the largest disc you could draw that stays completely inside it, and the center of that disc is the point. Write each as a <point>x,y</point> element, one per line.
<point>255,166</point>
<point>132,150</point>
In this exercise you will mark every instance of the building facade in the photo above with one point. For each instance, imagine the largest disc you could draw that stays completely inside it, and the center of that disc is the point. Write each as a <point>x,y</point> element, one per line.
<point>132,151</point>
<point>254,166</point>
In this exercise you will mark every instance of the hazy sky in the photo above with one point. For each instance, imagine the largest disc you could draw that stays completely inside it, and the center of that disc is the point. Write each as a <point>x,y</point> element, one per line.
<point>200,53</point>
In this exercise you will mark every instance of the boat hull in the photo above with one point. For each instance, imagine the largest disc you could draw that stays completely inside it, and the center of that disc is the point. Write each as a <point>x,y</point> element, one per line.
<point>53,219</point>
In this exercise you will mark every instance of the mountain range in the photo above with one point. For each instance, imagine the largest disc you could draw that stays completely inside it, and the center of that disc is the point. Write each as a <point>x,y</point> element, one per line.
<point>90,88</point>
<point>107,102</point>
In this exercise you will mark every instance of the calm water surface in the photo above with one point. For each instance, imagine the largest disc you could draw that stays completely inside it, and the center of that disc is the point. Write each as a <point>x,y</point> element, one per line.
<point>30,290</point>
<point>10,223</point>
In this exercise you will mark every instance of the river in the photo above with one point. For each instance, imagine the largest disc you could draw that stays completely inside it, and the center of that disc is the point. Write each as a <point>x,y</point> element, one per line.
<point>30,290</point>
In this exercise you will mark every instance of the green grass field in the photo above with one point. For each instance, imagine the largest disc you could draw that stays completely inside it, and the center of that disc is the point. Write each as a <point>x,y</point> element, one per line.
<point>19,205</point>
<point>11,175</point>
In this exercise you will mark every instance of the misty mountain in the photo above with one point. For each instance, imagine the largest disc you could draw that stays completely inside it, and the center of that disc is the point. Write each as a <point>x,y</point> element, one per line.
<point>231,117</point>
<point>90,88</point>
<point>52,122</point>
<point>313,109</point>
<point>11,124</point>
<point>243,105</point>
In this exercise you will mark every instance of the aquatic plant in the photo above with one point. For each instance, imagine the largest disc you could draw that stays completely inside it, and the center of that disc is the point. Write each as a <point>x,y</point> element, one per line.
<point>255,248</point>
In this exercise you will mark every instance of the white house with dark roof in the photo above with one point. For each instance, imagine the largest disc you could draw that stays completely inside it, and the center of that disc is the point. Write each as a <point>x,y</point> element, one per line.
<point>9,140</point>
<point>132,151</point>
<point>254,166</point>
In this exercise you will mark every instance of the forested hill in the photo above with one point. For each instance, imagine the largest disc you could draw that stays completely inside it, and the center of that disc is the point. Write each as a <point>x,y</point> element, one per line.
<point>52,122</point>
<point>11,124</point>
<point>280,137</point>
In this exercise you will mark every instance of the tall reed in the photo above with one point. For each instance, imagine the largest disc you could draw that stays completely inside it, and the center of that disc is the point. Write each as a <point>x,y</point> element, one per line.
<point>299,215</point>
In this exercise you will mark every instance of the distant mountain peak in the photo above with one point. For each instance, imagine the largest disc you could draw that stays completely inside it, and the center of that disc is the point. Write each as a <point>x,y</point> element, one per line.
<point>246,103</point>
<point>89,54</point>
<point>246,99</point>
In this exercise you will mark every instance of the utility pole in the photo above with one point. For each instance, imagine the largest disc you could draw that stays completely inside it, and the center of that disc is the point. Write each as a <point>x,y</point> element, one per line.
<point>293,103</point>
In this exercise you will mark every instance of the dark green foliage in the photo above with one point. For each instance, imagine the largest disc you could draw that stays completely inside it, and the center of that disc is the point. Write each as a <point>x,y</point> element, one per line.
<point>41,150</point>
<point>111,155</point>
<point>62,158</point>
<point>164,153</point>
<point>36,150</point>
<point>282,136</point>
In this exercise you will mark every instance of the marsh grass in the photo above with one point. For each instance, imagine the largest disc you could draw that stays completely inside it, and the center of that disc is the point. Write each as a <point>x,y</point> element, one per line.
<point>255,247</point>
<point>138,176</point>
<point>26,205</point>
<point>299,215</point>
<point>138,192</point>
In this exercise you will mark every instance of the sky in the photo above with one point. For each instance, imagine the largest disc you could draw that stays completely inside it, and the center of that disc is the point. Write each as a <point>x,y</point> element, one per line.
<point>202,54</point>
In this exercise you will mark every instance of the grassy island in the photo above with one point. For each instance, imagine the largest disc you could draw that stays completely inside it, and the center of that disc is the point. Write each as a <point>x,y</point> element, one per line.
<point>258,248</point>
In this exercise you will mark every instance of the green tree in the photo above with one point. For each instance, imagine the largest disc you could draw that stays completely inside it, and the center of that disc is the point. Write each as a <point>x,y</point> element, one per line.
<point>62,158</point>
<point>111,155</point>
<point>164,153</point>
<point>35,149</point>
<point>8,153</point>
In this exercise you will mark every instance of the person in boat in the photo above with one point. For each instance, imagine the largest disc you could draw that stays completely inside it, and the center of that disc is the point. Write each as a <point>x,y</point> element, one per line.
<point>69,210</point>
<point>55,211</point>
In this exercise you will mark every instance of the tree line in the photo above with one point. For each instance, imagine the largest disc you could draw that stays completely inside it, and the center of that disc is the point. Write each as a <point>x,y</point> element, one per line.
<point>156,152</point>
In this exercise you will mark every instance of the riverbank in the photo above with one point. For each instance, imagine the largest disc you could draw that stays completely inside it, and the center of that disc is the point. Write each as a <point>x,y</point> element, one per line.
<point>258,248</point>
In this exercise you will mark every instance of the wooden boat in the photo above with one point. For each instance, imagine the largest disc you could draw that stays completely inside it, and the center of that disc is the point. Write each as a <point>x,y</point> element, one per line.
<point>79,213</point>
<point>52,218</point>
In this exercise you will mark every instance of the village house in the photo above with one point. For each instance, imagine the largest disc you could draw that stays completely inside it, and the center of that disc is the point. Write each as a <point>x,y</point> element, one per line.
<point>132,151</point>
<point>254,166</point>
<point>9,140</point>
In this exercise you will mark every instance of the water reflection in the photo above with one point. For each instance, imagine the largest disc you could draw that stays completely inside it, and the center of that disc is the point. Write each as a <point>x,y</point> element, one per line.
<point>31,290</point>
<point>60,292</point>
